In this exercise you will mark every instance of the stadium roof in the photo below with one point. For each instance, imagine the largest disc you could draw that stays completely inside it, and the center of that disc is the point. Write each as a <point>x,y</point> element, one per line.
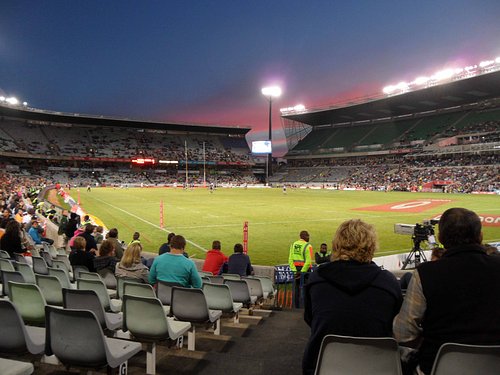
<point>80,119</point>
<point>456,93</point>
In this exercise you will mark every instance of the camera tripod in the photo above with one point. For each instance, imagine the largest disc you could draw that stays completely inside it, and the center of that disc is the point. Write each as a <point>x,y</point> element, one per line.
<point>415,253</point>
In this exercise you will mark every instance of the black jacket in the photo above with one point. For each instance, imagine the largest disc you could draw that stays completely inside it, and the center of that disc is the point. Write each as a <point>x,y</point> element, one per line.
<point>351,299</point>
<point>462,293</point>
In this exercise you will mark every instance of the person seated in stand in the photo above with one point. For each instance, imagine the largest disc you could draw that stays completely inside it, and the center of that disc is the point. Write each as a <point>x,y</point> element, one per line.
<point>175,267</point>
<point>113,236</point>
<point>455,299</point>
<point>130,265</point>
<point>11,241</point>
<point>105,260</point>
<point>89,238</point>
<point>80,257</point>
<point>34,232</point>
<point>238,263</point>
<point>165,248</point>
<point>214,259</point>
<point>351,295</point>
<point>98,236</point>
<point>322,256</point>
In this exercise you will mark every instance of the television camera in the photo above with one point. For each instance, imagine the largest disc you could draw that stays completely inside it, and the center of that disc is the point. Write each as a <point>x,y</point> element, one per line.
<point>423,232</point>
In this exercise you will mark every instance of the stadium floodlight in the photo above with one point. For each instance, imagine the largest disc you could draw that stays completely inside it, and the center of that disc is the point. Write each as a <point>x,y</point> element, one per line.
<point>421,80</point>
<point>388,89</point>
<point>12,100</point>
<point>497,60</point>
<point>25,104</point>
<point>484,64</point>
<point>443,74</point>
<point>2,98</point>
<point>299,108</point>
<point>271,91</point>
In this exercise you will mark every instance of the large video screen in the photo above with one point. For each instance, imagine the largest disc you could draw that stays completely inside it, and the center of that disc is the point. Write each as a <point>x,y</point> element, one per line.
<point>262,147</point>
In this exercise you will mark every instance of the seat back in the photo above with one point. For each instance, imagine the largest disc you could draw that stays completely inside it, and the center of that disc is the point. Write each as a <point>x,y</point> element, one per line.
<point>144,317</point>
<point>20,258</point>
<point>77,269</point>
<point>81,299</point>
<point>48,259</point>
<point>34,251</point>
<point>89,275</point>
<point>216,279</point>
<point>98,287</point>
<point>204,273</point>
<point>467,359</point>
<point>29,300</point>
<point>64,258</point>
<point>108,277</point>
<point>231,276</point>
<point>239,290</point>
<point>120,281</point>
<point>6,265</point>
<point>27,272</point>
<point>7,276</point>
<point>62,275</point>
<point>189,305</point>
<point>59,264</point>
<point>51,289</point>
<point>358,355</point>
<point>139,290</point>
<point>164,291</point>
<point>40,266</point>
<point>11,329</point>
<point>75,337</point>
<point>267,284</point>
<point>4,254</point>
<point>255,287</point>
<point>218,297</point>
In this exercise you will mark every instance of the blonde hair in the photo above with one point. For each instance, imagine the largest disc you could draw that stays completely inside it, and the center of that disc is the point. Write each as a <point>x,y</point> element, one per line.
<point>79,243</point>
<point>131,255</point>
<point>354,240</point>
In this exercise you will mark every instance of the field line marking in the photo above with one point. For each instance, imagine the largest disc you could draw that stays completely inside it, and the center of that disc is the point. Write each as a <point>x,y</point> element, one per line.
<point>148,222</point>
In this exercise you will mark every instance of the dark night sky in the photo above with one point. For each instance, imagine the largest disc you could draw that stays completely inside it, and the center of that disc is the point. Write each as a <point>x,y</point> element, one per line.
<point>205,61</point>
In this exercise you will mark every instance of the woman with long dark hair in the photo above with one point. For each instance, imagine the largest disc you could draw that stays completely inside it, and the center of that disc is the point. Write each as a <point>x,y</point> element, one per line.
<point>11,241</point>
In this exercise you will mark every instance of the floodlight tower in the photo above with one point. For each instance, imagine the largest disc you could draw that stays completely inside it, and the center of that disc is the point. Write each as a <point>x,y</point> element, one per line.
<point>270,93</point>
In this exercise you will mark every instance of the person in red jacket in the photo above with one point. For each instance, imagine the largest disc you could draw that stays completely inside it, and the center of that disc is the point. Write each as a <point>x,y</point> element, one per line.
<point>215,259</point>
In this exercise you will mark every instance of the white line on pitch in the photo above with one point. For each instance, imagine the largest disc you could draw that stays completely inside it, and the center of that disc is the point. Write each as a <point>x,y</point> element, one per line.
<point>148,222</point>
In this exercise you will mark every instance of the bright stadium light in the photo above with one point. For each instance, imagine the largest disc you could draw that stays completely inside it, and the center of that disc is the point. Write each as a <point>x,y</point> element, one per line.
<point>421,80</point>
<point>2,98</point>
<point>484,64</point>
<point>443,74</point>
<point>497,60</point>
<point>388,89</point>
<point>25,104</point>
<point>12,100</point>
<point>271,91</point>
<point>299,108</point>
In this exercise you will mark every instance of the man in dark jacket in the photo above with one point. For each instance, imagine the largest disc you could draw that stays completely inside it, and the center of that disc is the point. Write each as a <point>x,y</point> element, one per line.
<point>456,298</point>
<point>350,296</point>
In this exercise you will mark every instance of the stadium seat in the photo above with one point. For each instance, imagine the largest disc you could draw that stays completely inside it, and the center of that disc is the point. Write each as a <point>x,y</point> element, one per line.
<point>27,272</point>
<point>164,291</point>
<point>63,277</point>
<point>120,282</point>
<point>467,360</point>
<point>144,317</point>
<point>219,298</point>
<point>6,265</point>
<point>88,300</point>
<point>190,305</point>
<point>8,276</point>
<point>47,257</point>
<point>76,338</point>
<point>51,289</point>
<point>16,336</point>
<point>40,266</point>
<point>11,367</point>
<point>231,276</point>
<point>255,288</point>
<point>241,292</point>
<point>108,277</point>
<point>113,305</point>
<point>77,270</point>
<point>30,302</point>
<point>20,258</point>
<point>346,355</point>
<point>216,279</point>
<point>4,254</point>
<point>267,286</point>
<point>204,273</point>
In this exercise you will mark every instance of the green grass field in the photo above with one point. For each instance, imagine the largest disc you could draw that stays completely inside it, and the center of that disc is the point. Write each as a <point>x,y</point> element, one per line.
<point>275,219</point>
